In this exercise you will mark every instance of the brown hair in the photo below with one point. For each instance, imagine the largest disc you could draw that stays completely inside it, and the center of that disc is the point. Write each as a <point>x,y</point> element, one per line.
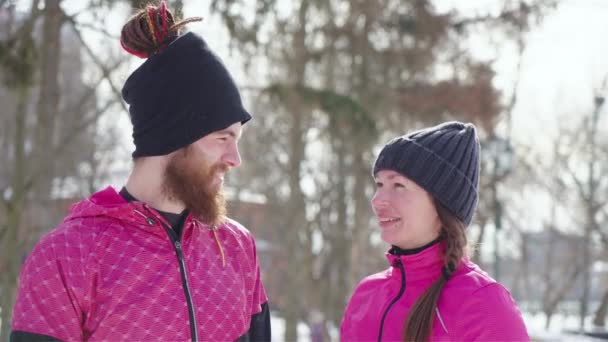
<point>419,322</point>
<point>151,29</point>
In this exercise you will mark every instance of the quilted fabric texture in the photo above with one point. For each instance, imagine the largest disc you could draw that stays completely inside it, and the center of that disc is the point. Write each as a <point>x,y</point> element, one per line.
<point>108,273</point>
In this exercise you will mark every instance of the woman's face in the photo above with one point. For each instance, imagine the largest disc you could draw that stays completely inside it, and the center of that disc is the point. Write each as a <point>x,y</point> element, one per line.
<point>405,211</point>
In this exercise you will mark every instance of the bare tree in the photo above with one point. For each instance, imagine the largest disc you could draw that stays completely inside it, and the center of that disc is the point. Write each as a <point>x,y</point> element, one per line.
<point>592,196</point>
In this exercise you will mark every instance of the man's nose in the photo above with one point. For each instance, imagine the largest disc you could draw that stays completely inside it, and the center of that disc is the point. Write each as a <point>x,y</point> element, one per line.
<point>232,157</point>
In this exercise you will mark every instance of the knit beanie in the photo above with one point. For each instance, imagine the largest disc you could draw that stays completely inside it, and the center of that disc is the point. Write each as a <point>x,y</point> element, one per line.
<point>443,160</point>
<point>179,95</point>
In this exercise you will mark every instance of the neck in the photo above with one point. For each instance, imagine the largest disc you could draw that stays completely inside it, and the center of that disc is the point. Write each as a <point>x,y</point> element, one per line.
<point>146,184</point>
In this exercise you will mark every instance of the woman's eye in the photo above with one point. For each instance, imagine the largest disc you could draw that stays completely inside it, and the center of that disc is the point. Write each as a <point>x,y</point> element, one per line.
<point>378,184</point>
<point>399,186</point>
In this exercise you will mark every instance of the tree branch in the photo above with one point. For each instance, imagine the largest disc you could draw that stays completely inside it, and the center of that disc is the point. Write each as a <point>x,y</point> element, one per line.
<point>78,108</point>
<point>105,70</point>
<point>3,231</point>
<point>87,10</point>
<point>566,285</point>
<point>97,29</point>
<point>28,25</point>
<point>516,15</point>
<point>603,235</point>
<point>82,126</point>
<point>579,184</point>
<point>69,138</point>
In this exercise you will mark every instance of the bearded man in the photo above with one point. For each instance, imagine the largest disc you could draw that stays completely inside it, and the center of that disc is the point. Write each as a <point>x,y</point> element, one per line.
<point>158,260</point>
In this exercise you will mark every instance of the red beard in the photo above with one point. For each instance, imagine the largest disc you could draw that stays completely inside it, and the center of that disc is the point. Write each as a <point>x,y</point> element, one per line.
<point>190,179</point>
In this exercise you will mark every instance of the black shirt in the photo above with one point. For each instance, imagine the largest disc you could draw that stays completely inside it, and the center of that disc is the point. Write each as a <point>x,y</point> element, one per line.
<point>175,220</point>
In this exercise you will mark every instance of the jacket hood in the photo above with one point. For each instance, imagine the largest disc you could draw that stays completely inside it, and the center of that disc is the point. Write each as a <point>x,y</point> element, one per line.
<point>110,204</point>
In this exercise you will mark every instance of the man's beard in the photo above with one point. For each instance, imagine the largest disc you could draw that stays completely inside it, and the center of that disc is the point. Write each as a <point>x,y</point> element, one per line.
<point>189,178</point>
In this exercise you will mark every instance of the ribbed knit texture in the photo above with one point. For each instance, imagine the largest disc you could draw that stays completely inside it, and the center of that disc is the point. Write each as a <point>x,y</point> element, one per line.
<point>444,160</point>
<point>180,95</point>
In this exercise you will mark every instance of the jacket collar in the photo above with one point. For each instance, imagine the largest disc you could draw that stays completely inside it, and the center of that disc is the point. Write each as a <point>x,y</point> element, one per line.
<point>109,203</point>
<point>421,263</point>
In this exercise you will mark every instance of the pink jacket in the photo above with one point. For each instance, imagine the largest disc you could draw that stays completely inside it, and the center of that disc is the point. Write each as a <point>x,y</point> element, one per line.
<point>472,306</point>
<point>110,272</point>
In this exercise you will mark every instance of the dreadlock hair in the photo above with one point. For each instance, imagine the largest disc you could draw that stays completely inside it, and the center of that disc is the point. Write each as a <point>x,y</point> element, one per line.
<point>151,29</point>
<point>419,322</point>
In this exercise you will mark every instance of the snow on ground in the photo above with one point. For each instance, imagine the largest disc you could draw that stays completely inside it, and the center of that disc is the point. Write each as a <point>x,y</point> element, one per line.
<point>558,331</point>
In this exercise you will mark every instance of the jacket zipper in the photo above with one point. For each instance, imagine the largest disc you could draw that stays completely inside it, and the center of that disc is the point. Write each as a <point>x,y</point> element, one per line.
<point>182,267</point>
<point>401,291</point>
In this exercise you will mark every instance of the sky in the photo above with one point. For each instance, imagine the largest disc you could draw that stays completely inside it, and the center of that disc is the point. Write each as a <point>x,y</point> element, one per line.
<point>564,61</point>
<point>565,64</point>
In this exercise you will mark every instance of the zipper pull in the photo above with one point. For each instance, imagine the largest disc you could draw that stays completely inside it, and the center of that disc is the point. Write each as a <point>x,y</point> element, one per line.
<point>178,245</point>
<point>150,221</point>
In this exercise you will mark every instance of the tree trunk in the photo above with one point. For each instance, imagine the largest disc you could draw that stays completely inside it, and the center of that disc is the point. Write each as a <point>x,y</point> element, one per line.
<point>600,315</point>
<point>340,242</point>
<point>590,204</point>
<point>548,315</point>
<point>584,301</point>
<point>48,100</point>
<point>360,230</point>
<point>11,254</point>
<point>296,220</point>
<point>297,204</point>
<point>477,245</point>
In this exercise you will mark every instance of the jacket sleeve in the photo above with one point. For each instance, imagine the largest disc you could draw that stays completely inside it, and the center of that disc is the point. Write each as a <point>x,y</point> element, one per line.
<point>259,329</point>
<point>22,336</point>
<point>347,326</point>
<point>260,316</point>
<point>493,315</point>
<point>259,293</point>
<point>49,304</point>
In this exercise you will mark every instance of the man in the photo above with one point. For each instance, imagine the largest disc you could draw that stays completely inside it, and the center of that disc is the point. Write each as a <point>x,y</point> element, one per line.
<point>157,260</point>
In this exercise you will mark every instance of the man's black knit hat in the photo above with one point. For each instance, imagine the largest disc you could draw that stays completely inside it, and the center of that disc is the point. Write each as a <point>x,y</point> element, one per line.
<point>179,95</point>
<point>444,160</point>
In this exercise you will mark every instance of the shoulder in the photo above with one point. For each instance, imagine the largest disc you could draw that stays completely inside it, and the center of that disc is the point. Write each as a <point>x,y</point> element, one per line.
<point>468,279</point>
<point>236,228</point>
<point>377,277</point>
<point>373,282</point>
<point>72,239</point>
<point>364,302</point>
<point>478,307</point>
<point>67,252</point>
<point>473,283</point>
<point>236,232</point>
<point>67,234</point>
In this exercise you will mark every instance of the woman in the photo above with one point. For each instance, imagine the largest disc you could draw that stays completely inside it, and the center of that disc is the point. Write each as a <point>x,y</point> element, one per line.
<point>425,198</point>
